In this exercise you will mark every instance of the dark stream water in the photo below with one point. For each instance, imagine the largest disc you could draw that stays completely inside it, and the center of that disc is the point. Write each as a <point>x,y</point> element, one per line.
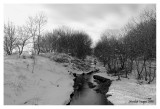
<point>88,96</point>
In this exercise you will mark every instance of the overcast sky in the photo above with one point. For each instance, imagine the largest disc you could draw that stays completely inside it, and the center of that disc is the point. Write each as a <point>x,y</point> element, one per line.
<point>93,19</point>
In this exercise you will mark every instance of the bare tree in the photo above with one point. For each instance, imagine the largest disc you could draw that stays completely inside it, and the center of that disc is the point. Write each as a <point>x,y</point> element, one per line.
<point>150,71</point>
<point>35,26</point>
<point>22,38</point>
<point>140,42</point>
<point>48,42</point>
<point>9,37</point>
<point>40,20</point>
<point>31,28</point>
<point>109,50</point>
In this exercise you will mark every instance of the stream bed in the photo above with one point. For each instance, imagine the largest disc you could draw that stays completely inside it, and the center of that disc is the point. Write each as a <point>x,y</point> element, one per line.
<point>88,96</point>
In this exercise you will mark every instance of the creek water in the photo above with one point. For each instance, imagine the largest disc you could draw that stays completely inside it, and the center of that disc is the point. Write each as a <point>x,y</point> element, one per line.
<point>88,96</point>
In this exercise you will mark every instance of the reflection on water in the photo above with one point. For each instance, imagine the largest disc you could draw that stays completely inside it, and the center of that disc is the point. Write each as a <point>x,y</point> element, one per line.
<point>87,96</point>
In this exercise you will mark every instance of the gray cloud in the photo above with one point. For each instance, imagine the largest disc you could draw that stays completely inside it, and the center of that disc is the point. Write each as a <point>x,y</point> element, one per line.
<point>81,12</point>
<point>92,18</point>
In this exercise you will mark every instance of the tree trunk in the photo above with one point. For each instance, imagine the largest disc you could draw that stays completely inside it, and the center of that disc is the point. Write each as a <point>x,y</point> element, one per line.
<point>146,73</point>
<point>126,74</point>
<point>104,64</point>
<point>153,77</point>
<point>140,71</point>
<point>150,73</point>
<point>119,76</point>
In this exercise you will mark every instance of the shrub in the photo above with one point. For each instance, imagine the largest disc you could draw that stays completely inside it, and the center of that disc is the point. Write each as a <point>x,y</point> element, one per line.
<point>23,56</point>
<point>60,58</point>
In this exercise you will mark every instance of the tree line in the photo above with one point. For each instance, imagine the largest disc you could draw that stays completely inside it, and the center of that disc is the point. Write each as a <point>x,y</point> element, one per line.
<point>20,36</point>
<point>135,46</point>
<point>63,40</point>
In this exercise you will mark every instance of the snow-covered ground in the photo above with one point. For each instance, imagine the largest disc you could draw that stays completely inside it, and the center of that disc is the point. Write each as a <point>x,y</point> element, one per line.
<point>127,91</point>
<point>49,84</point>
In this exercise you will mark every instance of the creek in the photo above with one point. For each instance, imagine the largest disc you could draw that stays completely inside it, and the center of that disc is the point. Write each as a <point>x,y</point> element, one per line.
<point>85,92</point>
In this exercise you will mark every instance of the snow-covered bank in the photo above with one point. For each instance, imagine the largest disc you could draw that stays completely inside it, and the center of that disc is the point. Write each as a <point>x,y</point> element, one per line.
<point>127,91</point>
<point>49,84</point>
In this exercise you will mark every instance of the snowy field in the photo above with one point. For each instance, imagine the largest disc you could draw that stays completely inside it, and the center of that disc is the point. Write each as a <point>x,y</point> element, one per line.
<point>49,84</point>
<point>129,92</point>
